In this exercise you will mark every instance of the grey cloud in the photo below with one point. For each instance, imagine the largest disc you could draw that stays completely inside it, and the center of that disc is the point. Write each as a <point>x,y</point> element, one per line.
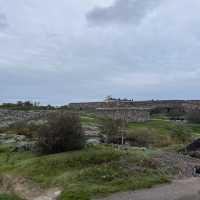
<point>122,11</point>
<point>54,57</point>
<point>3,21</point>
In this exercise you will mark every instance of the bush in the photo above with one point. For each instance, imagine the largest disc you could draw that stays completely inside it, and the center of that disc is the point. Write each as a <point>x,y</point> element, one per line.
<point>181,133</point>
<point>145,137</point>
<point>112,131</point>
<point>176,115</point>
<point>194,117</point>
<point>62,132</point>
<point>142,137</point>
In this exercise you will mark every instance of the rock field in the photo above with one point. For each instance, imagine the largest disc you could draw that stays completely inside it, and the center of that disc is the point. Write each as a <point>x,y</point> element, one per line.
<point>8,117</point>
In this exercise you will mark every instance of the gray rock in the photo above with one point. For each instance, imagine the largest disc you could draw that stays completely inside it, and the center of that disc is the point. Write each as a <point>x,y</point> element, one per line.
<point>24,146</point>
<point>93,141</point>
<point>9,117</point>
<point>6,138</point>
<point>20,138</point>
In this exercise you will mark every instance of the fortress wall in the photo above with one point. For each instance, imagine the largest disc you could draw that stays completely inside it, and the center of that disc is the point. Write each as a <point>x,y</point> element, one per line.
<point>94,105</point>
<point>127,114</point>
<point>187,106</point>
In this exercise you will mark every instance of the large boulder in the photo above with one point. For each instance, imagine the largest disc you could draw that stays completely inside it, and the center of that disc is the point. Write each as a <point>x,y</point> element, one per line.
<point>194,146</point>
<point>6,138</point>
<point>193,149</point>
<point>24,146</point>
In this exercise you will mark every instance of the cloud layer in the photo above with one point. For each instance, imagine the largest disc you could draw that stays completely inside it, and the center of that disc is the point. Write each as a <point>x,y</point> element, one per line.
<point>122,12</point>
<point>142,49</point>
<point>3,21</point>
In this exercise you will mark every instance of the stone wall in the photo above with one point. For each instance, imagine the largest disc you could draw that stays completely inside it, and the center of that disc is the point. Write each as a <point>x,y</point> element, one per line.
<point>103,104</point>
<point>186,106</point>
<point>127,114</point>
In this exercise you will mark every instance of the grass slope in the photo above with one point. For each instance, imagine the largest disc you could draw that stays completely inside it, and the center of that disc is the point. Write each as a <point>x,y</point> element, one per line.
<point>8,197</point>
<point>88,173</point>
<point>99,170</point>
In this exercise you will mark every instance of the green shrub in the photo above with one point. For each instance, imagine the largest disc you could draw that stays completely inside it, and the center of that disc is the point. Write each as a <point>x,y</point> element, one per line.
<point>176,115</point>
<point>181,133</point>
<point>147,137</point>
<point>141,137</point>
<point>62,132</point>
<point>112,131</point>
<point>194,117</point>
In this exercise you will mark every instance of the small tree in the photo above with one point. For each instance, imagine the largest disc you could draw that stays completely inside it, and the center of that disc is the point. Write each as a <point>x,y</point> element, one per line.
<point>181,133</point>
<point>62,132</point>
<point>113,131</point>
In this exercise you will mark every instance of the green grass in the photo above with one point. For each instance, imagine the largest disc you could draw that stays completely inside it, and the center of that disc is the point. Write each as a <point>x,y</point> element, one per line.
<point>8,197</point>
<point>163,126</point>
<point>159,123</point>
<point>160,130</point>
<point>97,171</point>
<point>89,119</point>
<point>94,171</point>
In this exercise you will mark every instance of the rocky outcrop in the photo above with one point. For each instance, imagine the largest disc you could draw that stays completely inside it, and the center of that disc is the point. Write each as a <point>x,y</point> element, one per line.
<point>193,149</point>
<point>92,134</point>
<point>8,117</point>
<point>194,146</point>
<point>17,142</point>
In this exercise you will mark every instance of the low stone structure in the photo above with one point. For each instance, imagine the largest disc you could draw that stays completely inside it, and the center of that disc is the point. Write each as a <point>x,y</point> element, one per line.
<point>130,114</point>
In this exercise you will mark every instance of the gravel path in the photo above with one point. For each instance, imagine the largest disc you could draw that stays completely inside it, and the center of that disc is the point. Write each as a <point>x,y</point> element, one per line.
<point>187,189</point>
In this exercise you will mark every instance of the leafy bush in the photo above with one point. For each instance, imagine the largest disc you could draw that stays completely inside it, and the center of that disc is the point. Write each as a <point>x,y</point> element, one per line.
<point>176,115</point>
<point>112,131</point>
<point>142,137</point>
<point>194,117</point>
<point>181,133</point>
<point>62,132</point>
<point>146,137</point>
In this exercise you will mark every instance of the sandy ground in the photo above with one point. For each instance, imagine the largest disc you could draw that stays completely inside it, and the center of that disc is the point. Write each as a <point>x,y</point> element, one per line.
<point>26,189</point>
<point>187,189</point>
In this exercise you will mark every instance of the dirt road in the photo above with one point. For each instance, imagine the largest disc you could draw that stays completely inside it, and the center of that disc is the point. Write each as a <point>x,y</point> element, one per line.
<point>187,189</point>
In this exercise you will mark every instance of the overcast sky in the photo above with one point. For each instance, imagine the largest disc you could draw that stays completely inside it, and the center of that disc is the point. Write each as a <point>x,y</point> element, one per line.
<point>60,51</point>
